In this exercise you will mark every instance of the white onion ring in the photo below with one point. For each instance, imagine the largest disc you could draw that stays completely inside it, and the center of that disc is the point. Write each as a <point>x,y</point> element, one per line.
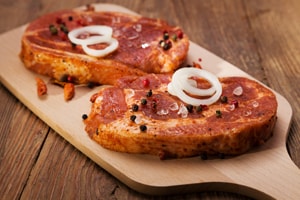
<point>112,46</point>
<point>105,32</point>
<point>177,86</point>
<point>105,36</point>
<point>183,78</point>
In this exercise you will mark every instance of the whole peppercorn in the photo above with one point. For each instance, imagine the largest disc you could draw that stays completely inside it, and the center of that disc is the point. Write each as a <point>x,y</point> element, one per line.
<point>143,101</point>
<point>53,29</point>
<point>132,118</point>
<point>149,93</point>
<point>218,114</point>
<point>166,36</point>
<point>174,37</point>
<point>167,45</point>
<point>135,107</point>
<point>224,99</point>
<point>198,109</point>
<point>189,107</point>
<point>143,128</point>
<point>84,116</point>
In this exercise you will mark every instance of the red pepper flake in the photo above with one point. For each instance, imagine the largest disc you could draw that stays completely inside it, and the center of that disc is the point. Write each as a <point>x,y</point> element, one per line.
<point>59,20</point>
<point>204,107</point>
<point>235,103</point>
<point>180,34</point>
<point>146,82</point>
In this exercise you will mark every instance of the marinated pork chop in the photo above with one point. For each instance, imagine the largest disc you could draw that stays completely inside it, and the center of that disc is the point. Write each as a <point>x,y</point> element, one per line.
<point>145,46</point>
<point>138,115</point>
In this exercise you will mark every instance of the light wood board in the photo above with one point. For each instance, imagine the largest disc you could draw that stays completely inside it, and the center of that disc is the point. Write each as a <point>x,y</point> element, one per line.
<point>266,172</point>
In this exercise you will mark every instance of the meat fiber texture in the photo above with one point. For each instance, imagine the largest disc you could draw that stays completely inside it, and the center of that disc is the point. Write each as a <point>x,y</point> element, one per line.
<point>159,127</point>
<point>141,47</point>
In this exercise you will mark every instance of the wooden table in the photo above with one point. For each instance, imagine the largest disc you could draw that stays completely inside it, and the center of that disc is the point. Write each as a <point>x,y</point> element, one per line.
<point>261,37</point>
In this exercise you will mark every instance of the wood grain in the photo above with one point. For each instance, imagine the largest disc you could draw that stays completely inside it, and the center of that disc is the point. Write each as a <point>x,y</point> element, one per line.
<point>242,32</point>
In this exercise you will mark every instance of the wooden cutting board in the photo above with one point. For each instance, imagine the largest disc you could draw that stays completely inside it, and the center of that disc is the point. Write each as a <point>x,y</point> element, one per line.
<point>266,172</point>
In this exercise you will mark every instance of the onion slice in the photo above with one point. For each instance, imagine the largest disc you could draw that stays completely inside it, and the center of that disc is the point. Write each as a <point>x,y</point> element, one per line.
<point>181,83</point>
<point>190,86</point>
<point>97,34</point>
<point>104,33</point>
<point>112,46</point>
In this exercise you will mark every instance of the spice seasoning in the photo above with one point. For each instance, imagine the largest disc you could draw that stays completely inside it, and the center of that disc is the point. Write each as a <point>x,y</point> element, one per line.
<point>143,101</point>
<point>84,116</point>
<point>53,30</point>
<point>218,114</point>
<point>224,99</point>
<point>235,103</point>
<point>149,93</point>
<point>143,128</point>
<point>199,108</point>
<point>64,29</point>
<point>146,82</point>
<point>189,107</point>
<point>132,118</point>
<point>135,107</point>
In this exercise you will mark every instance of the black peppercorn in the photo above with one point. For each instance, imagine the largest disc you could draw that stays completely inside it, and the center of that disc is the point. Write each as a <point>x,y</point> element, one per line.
<point>224,99</point>
<point>135,107</point>
<point>53,29</point>
<point>149,93</point>
<point>189,107</point>
<point>166,36</point>
<point>198,108</point>
<point>143,128</point>
<point>84,116</point>
<point>218,113</point>
<point>132,118</point>
<point>64,29</point>
<point>143,101</point>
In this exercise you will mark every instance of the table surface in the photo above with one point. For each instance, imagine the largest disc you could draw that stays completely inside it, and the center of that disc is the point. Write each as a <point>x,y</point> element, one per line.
<point>261,37</point>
